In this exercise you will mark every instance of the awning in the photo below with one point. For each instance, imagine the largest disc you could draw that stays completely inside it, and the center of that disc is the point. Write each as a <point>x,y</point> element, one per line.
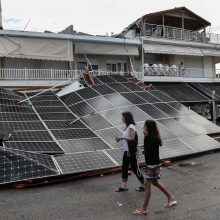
<point>36,48</point>
<point>106,49</point>
<point>172,49</point>
<point>211,52</point>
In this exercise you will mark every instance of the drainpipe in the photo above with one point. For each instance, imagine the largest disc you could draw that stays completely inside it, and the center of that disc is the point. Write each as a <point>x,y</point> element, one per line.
<point>213,107</point>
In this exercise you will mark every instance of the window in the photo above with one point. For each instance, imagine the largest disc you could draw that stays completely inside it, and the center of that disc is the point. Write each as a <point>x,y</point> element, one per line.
<point>119,67</point>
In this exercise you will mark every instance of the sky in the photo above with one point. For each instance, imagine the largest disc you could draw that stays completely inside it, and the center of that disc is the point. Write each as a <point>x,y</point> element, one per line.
<point>97,17</point>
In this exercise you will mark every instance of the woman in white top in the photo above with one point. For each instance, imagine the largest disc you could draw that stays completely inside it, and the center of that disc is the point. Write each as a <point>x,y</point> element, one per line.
<point>130,141</point>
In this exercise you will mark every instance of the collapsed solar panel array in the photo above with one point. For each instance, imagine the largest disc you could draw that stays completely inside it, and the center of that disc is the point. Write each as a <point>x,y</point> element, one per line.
<point>76,133</point>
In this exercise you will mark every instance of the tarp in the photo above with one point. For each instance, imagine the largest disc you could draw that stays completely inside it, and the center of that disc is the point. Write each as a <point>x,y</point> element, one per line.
<point>106,49</point>
<point>36,48</point>
<point>172,49</point>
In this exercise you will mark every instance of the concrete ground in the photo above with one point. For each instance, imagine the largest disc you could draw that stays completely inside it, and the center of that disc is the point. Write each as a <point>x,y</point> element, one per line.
<point>196,187</point>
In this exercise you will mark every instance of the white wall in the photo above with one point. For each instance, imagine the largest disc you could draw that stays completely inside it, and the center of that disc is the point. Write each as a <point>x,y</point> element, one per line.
<point>209,71</point>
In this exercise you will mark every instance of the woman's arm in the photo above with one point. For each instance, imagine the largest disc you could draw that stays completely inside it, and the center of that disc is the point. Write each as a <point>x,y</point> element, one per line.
<point>130,137</point>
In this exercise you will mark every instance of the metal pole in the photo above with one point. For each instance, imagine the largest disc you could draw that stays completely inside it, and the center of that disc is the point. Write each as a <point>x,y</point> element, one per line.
<point>43,91</point>
<point>213,107</point>
<point>142,58</point>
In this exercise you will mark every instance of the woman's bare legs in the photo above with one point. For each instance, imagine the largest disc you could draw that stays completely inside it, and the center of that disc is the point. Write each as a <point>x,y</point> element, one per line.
<point>147,195</point>
<point>162,188</point>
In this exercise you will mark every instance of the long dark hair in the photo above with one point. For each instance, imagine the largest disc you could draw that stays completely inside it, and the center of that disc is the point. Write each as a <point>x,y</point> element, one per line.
<point>153,132</point>
<point>128,118</point>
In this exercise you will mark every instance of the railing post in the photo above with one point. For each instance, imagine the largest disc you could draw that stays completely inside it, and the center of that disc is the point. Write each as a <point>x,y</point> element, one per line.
<point>25,73</point>
<point>51,73</point>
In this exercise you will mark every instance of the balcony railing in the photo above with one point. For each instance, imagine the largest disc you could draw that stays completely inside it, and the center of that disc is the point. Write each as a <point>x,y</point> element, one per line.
<point>159,31</point>
<point>48,74</point>
<point>154,70</point>
<point>173,71</point>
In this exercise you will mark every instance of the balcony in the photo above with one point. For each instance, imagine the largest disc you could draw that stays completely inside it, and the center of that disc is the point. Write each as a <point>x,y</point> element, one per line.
<point>43,77</point>
<point>167,32</point>
<point>160,73</point>
<point>154,73</point>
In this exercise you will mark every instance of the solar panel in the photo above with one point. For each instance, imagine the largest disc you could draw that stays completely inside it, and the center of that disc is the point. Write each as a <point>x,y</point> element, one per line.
<point>19,166</point>
<point>174,148</point>
<point>48,103</point>
<point>12,102</point>
<point>71,99</point>
<point>153,111</point>
<point>133,98</point>
<point>117,100</point>
<point>137,113</point>
<point>72,133</point>
<point>82,109</point>
<point>96,122</point>
<point>119,78</point>
<point>181,92</point>
<point>18,117</point>
<point>118,87</point>
<point>31,136</point>
<point>82,145</point>
<point>176,128</point>
<point>198,125</point>
<point>167,109</point>
<point>162,96</point>
<point>116,154</point>
<point>148,97</point>
<point>17,109</point>
<point>132,86</point>
<point>113,116</point>
<point>101,112</point>
<point>181,108</point>
<point>87,93</point>
<point>88,81</point>
<point>100,103</point>
<point>40,98</point>
<point>48,109</point>
<point>40,147</point>
<point>57,116</point>
<point>64,124</point>
<point>109,136</point>
<point>25,125</point>
<point>201,143</point>
<point>45,93</point>
<point>103,89</point>
<point>105,79</point>
<point>81,162</point>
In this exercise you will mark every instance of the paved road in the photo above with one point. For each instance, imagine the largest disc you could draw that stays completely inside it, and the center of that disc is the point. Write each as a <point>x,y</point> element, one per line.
<point>197,189</point>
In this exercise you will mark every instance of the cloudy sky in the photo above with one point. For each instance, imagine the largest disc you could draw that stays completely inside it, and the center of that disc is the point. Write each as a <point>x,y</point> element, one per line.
<point>95,16</point>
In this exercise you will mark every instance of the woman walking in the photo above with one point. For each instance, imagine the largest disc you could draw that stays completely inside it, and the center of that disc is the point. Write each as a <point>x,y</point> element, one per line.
<point>152,142</point>
<point>130,141</point>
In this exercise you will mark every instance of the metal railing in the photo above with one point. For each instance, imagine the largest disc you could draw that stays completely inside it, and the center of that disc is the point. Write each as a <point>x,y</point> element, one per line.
<point>48,74</point>
<point>39,74</point>
<point>181,72</point>
<point>168,32</point>
<point>154,70</point>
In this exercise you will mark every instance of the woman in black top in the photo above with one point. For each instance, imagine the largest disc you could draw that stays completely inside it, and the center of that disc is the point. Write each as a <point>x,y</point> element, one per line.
<point>152,142</point>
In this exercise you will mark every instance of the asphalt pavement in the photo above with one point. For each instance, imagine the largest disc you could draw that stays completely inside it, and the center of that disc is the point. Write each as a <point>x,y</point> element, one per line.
<point>195,184</point>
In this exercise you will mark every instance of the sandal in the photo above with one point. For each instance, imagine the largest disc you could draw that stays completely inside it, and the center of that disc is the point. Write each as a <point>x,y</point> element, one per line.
<point>140,189</point>
<point>171,204</point>
<point>121,189</point>
<point>140,212</point>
